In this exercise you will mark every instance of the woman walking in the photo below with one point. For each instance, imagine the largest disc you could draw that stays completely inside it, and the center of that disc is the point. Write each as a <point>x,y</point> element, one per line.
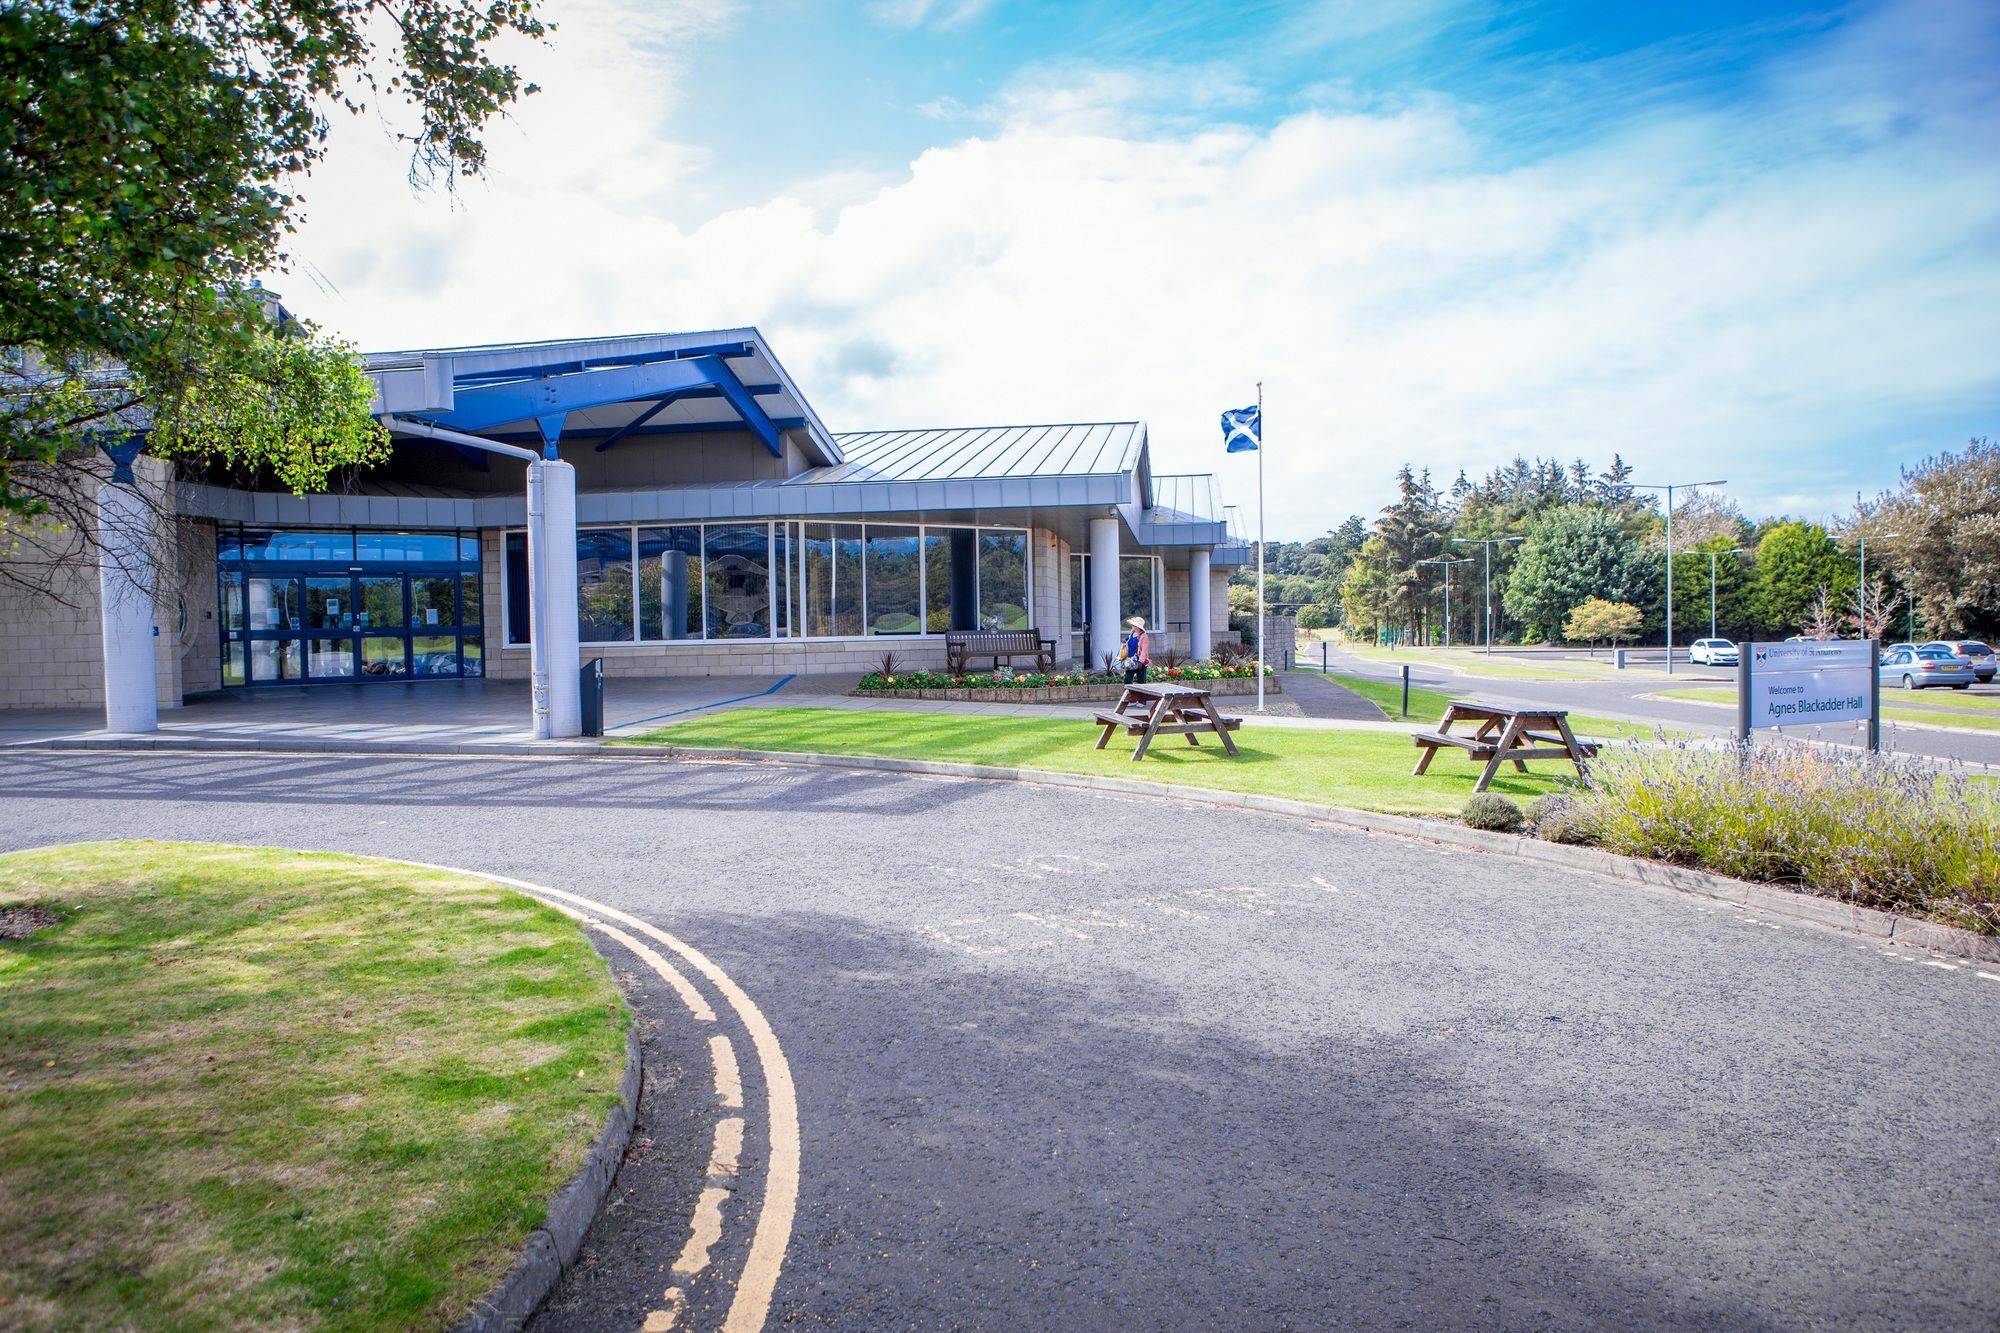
<point>1137,654</point>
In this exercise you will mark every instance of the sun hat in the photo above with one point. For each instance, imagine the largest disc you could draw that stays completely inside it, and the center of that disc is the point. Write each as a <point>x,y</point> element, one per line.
<point>1137,622</point>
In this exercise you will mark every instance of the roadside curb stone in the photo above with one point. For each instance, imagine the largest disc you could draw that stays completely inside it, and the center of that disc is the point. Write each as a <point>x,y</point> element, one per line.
<point>553,1246</point>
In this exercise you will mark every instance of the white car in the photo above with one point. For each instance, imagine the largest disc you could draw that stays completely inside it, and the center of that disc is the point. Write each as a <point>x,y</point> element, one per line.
<point>1714,652</point>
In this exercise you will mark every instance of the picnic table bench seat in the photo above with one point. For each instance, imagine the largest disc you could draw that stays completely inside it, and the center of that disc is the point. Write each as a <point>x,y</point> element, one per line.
<point>996,644</point>
<point>1147,711</point>
<point>1504,734</point>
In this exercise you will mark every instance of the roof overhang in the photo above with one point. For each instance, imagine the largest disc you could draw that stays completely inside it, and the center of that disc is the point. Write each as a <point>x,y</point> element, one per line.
<point>605,388</point>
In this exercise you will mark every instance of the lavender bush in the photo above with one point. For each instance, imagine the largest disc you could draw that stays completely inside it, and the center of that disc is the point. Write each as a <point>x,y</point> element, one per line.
<point>1899,833</point>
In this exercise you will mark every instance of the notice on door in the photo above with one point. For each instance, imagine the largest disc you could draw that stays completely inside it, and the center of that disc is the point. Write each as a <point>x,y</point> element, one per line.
<point>1799,684</point>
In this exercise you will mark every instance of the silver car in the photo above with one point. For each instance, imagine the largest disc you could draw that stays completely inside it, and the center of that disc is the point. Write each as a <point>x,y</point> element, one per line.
<point>1921,668</point>
<point>1977,655</point>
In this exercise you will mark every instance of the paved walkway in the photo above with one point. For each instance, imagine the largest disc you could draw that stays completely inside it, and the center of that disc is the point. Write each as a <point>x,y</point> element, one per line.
<point>1065,1060</point>
<point>474,713</point>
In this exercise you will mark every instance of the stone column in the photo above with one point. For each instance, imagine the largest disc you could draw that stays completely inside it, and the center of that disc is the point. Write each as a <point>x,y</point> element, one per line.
<point>1103,590</point>
<point>1201,633</point>
<point>127,582</point>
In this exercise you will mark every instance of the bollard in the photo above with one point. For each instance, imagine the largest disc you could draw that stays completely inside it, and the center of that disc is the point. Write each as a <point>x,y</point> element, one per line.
<point>1322,657</point>
<point>1406,689</point>
<point>1621,659</point>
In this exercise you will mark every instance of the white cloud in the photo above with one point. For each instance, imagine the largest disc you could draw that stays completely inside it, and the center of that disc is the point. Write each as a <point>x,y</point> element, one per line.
<point>938,13</point>
<point>1776,293</point>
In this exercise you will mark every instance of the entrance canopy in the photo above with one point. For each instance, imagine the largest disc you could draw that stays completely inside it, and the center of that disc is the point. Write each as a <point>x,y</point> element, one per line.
<point>603,390</point>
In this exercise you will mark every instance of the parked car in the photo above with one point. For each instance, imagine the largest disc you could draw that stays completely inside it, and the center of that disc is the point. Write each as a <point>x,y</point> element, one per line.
<point>1714,652</point>
<point>1977,655</point>
<point>1921,668</point>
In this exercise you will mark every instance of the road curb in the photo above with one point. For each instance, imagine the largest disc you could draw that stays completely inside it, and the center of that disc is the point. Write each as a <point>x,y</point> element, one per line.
<point>553,1246</point>
<point>1828,913</point>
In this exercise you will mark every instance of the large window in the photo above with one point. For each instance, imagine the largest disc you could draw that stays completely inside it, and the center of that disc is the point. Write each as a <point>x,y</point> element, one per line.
<point>782,580</point>
<point>1138,590</point>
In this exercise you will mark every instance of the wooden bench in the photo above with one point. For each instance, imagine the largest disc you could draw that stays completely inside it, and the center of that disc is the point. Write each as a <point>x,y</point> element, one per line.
<point>996,645</point>
<point>1504,735</point>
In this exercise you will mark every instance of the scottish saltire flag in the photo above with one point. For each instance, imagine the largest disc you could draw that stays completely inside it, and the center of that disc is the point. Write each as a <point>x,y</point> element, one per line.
<point>1242,429</point>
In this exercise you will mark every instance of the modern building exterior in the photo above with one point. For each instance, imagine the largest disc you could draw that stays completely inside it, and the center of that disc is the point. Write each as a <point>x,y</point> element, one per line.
<point>719,527</point>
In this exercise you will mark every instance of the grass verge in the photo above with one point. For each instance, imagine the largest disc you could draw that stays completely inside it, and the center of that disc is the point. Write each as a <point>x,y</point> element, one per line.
<point>1367,770</point>
<point>252,1088</point>
<point>1960,713</point>
<point>1428,706</point>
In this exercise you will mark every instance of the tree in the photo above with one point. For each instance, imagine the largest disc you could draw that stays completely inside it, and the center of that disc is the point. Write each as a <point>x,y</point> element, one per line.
<point>1572,555</point>
<point>1946,514</point>
<point>149,150</point>
<point>1734,608</point>
<point>1598,619</point>
<point>1311,617</point>
<point>1795,563</point>
<point>1873,611</point>
<point>1820,620</point>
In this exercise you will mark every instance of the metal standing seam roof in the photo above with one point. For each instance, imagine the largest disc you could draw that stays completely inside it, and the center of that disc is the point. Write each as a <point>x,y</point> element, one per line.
<point>971,453</point>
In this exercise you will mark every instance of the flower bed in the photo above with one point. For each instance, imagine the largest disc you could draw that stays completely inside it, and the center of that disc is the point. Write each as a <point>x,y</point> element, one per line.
<point>1057,687</point>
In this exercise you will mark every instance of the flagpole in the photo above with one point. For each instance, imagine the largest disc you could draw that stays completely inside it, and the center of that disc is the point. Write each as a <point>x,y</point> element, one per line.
<point>1260,546</point>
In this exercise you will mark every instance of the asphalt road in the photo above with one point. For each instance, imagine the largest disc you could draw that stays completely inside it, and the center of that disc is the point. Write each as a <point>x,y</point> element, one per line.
<point>1628,699</point>
<point>1068,1060</point>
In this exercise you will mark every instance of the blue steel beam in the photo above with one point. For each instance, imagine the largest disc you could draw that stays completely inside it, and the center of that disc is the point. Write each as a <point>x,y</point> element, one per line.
<point>482,407</point>
<point>659,405</point>
<point>745,404</point>
<point>679,428</point>
<point>572,367</point>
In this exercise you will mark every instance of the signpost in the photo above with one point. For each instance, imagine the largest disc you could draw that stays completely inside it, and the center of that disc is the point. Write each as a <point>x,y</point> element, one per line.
<point>1809,682</point>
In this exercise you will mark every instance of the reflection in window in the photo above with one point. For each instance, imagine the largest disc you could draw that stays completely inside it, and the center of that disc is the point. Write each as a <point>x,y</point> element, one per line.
<point>330,659</point>
<point>268,544</point>
<point>603,586</point>
<point>670,583</point>
<point>515,561</point>
<point>382,656</point>
<point>1135,588</point>
<point>893,587</point>
<point>434,600</point>
<point>1003,580</point>
<point>434,655</point>
<point>737,580</point>
<point>414,547</point>
<point>1079,593</point>
<point>382,602</point>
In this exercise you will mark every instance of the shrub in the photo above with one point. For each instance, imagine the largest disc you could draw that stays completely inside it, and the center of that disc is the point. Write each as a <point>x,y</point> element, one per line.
<point>1558,818</point>
<point>1893,832</point>
<point>1493,812</point>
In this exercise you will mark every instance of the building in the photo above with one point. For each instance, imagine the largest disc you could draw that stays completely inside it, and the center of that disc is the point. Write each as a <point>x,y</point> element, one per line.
<point>719,528</point>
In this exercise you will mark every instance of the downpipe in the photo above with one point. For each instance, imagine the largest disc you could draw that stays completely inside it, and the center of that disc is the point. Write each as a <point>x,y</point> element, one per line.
<point>538,638</point>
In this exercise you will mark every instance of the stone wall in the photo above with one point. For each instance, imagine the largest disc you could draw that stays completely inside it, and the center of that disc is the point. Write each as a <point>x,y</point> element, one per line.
<point>51,642</point>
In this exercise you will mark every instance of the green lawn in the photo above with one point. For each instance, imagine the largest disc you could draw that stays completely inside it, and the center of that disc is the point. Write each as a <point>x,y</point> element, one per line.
<point>1937,708</point>
<point>244,1088</point>
<point>1367,770</point>
<point>1428,706</point>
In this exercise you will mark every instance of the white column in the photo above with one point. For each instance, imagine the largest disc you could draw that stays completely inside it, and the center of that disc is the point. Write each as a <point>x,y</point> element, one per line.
<point>556,691</point>
<point>1104,625</point>
<point>126,583</point>
<point>1201,632</point>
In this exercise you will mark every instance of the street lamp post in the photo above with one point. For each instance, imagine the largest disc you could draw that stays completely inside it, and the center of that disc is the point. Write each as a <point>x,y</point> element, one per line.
<point>1713,556</point>
<point>1670,489</point>
<point>1489,543</point>
<point>1462,560</point>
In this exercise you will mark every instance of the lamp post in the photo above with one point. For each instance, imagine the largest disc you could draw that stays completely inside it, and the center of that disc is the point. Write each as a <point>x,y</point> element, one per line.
<point>1462,560</point>
<point>1489,543</point>
<point>1713,556</point>
<point>1670,488</point>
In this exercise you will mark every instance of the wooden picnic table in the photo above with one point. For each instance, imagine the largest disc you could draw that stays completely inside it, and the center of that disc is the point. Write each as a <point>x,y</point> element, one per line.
<point>1522,734</point>
<point>1147,711</point>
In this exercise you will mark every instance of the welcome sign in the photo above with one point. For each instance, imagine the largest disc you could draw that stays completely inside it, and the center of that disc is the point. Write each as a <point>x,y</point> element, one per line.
<point>1807,682</point>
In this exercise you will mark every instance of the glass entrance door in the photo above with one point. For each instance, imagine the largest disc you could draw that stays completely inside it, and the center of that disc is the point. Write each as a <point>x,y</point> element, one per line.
<point>353,605</point>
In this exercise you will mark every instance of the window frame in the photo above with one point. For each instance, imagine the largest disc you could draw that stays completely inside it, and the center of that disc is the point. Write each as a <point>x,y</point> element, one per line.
<point>796,618</point>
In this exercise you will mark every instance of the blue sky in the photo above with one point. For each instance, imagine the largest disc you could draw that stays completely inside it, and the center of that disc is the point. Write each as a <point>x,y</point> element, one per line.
<point>1760,242</point>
